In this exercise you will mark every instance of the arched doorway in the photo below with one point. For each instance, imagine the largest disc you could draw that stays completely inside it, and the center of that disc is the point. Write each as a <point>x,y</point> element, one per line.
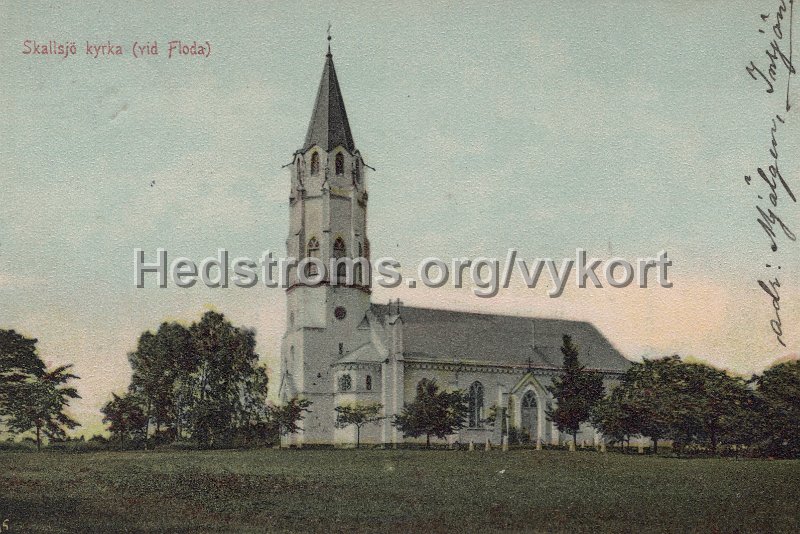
<point>529,413</point>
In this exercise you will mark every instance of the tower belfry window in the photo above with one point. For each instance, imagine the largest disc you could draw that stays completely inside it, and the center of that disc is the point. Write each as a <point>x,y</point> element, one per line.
<point>315,163</point>
<point>338,248</point>
<point>339,164</point>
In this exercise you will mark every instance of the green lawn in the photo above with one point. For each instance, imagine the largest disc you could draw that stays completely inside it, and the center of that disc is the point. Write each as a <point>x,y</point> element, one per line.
<point>400,491</point>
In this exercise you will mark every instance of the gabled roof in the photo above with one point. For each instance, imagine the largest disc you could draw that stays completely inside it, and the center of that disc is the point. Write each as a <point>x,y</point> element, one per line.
<point>528,380</point>
<point>329,127</point>
<point>454,336</point>
<point>367,353</point>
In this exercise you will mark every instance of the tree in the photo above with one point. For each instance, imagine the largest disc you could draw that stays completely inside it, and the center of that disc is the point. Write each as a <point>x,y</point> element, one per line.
<point>19,361</point>
<point>39,403</point>
<point>779,391</point>
<point>204,381</point>
<point>162,364</point>
<point>718,403</point>
<point>358,415</point>
<point>614,417</point>
<point>691,403</point>
<point>433,412</point>
<point>285,419</point>
<point>576,391</point>
<point>126,417</point>
<point>654,400</point>
<point>229,384</point>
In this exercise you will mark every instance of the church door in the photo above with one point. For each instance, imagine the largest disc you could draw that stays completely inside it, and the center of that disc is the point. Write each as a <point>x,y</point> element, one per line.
<point>530,416</point>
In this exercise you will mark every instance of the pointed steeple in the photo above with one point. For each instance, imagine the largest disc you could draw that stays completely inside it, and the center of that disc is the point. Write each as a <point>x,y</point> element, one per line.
<point>329,127</point>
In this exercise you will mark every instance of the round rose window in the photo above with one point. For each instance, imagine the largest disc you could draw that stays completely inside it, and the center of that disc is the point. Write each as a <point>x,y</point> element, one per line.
<point>340,312</point>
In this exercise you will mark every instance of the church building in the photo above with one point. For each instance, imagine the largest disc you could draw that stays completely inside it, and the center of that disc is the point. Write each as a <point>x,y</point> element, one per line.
<point>340,348</point>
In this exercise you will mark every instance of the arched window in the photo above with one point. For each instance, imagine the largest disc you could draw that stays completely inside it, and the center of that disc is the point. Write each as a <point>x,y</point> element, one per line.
<point>529,416</point>
<point>339,164</point>
<point>369,382</point>
<point>358,273</point>
<point>345,383</point>
<point>366,248</point>
<point>475,405</point>
<point>338,248</point>
<point>312,252</point>
<point>291,356</point>
<point>529,400</point>
<point>315,163</point>
<point>357,172</point>
<point>299,172</point>
<point>339,251</point>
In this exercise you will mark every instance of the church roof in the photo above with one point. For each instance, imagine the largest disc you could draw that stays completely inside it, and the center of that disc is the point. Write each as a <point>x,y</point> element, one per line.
<point>454,336</point>
<point>329,127</point>
<point>365,353</point>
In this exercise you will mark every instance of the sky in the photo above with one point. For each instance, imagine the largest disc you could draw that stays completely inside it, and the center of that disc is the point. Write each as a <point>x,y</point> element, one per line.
<point>623,128</point>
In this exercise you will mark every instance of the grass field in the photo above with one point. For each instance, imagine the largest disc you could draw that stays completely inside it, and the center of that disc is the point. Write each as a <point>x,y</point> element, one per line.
<point>399,491</point>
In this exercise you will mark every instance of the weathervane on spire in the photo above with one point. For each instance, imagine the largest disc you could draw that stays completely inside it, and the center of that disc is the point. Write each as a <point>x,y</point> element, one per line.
<point>329,37</point>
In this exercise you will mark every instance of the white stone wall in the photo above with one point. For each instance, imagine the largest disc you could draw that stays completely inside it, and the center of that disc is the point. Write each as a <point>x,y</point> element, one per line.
<point>497,388</point>
<point>324,206</point>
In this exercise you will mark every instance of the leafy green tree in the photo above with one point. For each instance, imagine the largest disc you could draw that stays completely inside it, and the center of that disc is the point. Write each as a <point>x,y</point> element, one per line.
<point>718,403</point>
<point>19,361</point>
<point>285,419</point>
<point>779,391</point>
<point>614,416</point>
<point>99,439</point>
<point>575,391</point>
<point>126,418</point>
<point>203,381</point>
<point>656,403</point>
<point>39,404</point>
<point>433,412</point>
<point>180,346</point>
<point>147,374</point>
<point>229,384</point>
<point>162,364</point>
<point>691,403</point>
<point>358,415</point>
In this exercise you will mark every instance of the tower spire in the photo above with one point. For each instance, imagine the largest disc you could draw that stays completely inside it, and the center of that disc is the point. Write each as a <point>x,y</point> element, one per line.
<point>329,126</point>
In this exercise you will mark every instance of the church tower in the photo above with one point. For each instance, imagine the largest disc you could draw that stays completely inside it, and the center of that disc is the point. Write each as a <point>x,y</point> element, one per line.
<point>327,220</point>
